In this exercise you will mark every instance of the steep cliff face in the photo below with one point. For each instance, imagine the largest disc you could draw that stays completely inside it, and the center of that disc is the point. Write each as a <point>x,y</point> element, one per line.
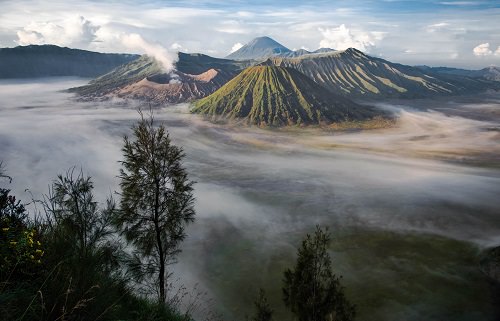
<point>48,60</point>
<point>277,96</point>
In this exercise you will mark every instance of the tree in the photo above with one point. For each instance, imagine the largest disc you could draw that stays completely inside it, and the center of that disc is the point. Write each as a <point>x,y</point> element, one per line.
<point>82,253</point>
<point>19,245</point>
<point>82,228</point>
<point>311,290</point>
<point>2,174</point>
<point>20,250</point>
<point>156,201</point>
<point>263,311</point>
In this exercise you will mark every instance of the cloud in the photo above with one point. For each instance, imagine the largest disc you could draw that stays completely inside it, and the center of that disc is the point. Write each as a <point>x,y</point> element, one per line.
<point>236,46</point>
<point>35,127</point>
<point>460,3</point>
<point>437,26</point>
<point>73,31</point>
<point>245,14</point>
<point>178,47</point>
<point>212,29</point>
<point>482,50</point>
<point>341,38</point>
<point>233,27</point>
<point>160,53</point>
<point>497,52</point>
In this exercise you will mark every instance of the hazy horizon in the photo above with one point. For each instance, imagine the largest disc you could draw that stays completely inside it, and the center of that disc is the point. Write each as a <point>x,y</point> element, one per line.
<point>462,34</point>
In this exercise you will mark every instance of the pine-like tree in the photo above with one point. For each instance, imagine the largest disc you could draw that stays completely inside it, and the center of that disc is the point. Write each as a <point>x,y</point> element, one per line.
<point>311,290</point>
<point>263,311</point>
<point>156,201</point>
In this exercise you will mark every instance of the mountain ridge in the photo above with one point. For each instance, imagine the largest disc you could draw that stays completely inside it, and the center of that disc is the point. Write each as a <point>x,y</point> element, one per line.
<point>261,48</point>
<point>353,73</point>
<point>350,73</point>
<point>489,73</point>
<point>49,61</point>
<point>257,48</point>
<point>196,76</point>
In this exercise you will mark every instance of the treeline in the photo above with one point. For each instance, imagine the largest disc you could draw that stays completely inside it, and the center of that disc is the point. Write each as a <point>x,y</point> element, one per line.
<point>76,260</point>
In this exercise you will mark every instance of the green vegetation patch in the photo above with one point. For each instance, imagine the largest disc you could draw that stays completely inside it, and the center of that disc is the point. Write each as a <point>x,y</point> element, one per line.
<point>277,96</point>
<point>388,275</point>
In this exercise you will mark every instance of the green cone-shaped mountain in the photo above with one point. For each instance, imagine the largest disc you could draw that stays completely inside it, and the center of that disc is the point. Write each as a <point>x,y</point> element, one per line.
<point>278,96</point>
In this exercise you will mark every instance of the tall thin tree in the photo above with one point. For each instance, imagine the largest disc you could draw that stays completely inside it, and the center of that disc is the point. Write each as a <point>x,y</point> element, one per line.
<point>311,290</point>
<point>156,201</point>
<point>263,311</point>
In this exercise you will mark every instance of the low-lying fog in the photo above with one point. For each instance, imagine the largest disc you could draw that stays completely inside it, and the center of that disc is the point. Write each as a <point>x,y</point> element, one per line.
<point>404,199</point>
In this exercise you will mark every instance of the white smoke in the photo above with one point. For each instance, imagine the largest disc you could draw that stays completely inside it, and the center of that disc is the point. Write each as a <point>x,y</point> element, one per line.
<point>157,51</point>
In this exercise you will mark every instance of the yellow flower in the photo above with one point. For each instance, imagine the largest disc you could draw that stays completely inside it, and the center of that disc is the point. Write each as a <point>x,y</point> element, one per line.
<point>5,229</point>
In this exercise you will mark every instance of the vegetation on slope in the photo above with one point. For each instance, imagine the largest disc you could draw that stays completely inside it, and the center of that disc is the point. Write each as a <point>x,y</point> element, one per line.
<point>67,266</point>
<point>354,74</point>
<point>277,96</point>
<point>121,76</point>
<point>490,263</point>
<point>71,263</point>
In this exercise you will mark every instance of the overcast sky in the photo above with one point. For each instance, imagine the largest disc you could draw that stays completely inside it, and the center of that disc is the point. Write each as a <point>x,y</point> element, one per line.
<point>432,32</point>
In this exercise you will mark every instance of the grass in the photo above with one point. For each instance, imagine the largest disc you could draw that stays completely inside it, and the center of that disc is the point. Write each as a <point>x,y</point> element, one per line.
<point>388,275</point>
<point>276,96</point>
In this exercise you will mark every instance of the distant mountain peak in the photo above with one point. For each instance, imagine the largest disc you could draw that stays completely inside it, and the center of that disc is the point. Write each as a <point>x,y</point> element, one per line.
<point>265,41</point>
<point>259,48</point>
